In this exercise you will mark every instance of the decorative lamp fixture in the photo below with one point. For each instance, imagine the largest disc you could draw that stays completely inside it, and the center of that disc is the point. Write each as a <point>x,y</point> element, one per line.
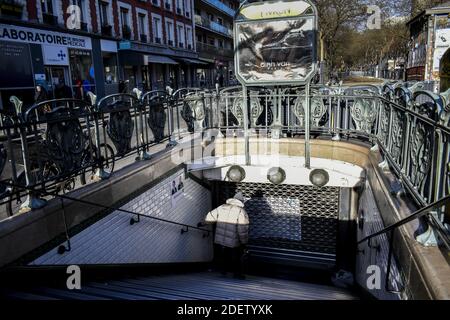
<point>319,177</point>
<point>276,175</point>
<point>236,173</point>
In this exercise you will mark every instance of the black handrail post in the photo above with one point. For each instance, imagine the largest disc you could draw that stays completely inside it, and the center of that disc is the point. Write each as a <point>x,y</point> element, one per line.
<point>140,108</point>
<point>63,248</point>
<point>170,102</point>
<point>100,172</point>
<point>32,201</point>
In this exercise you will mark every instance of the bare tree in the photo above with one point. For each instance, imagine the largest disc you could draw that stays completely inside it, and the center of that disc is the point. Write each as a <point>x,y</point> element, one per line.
<point>334,17</point>
<point>420,5</point>
<point>346,39</point>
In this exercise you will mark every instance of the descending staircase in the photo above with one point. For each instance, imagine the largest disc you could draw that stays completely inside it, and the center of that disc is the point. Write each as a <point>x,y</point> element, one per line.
<point>190,286</point>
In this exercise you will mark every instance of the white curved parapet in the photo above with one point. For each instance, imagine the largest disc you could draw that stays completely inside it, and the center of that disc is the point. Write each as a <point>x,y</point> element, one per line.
<point>342,174</point>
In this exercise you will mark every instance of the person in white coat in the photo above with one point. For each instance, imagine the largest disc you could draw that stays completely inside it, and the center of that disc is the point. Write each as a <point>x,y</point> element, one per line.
<point>231,237</point>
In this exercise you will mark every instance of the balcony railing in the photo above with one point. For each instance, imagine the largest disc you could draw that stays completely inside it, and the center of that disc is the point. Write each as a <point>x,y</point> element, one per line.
<point>83,26</point>
<point>11,9</point>
<point>106,30</point>
<point>50,19</point>
<point>213,50</point>
<point>212,25</point>
<point>221,6</point>
<point>126,32</point>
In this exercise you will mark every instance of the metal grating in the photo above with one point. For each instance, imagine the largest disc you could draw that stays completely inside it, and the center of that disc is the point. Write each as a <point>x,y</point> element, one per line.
<point>302,218</point>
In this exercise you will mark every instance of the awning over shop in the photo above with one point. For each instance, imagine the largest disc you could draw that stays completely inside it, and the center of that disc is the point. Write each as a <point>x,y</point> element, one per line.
<point>133,58</point>
<point>130,58</point>
<point>191,61</point>
<point>207,60</point>
<point>152,58</point>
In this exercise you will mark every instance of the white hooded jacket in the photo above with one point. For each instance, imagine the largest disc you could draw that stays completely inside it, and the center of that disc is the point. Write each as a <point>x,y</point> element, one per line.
<point>232,223</point>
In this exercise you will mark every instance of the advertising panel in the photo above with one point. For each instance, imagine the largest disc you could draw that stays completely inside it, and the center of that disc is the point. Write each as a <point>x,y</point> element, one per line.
<point>273,51</point>
<point>15,66</point>
<point>276,42</point>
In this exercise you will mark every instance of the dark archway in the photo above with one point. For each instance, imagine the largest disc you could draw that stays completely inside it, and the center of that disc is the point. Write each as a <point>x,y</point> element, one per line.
<point>444,71</point>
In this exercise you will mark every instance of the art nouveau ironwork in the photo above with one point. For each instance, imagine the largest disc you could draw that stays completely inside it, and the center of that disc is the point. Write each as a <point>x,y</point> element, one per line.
<point>410,126</point>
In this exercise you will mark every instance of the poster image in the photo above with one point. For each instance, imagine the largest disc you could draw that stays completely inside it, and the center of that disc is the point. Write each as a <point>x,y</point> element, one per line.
<point>274,51</point>
<point>15,66</point>
<point>176,186</point>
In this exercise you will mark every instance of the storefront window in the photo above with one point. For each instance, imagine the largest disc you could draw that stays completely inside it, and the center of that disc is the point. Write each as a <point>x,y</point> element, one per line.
<point>130,75</point>
<point>159,76</point>
<point>110,67</point>
<point>82,71</point>
<point>145,79</point>
<point>182,78</point>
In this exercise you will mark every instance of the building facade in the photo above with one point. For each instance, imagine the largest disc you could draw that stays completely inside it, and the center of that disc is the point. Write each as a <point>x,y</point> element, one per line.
<point>214,41</point>
<point>93,45</point>
<point>429,46</point>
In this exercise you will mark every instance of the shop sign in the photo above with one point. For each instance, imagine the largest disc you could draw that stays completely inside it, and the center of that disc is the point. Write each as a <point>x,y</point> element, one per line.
<point>55,55</point>
<point>108,45</point>
<point>44,37</point>
<point>276,46</point>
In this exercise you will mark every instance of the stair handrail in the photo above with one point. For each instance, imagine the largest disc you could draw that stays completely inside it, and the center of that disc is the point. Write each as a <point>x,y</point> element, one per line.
<point>424,211</point>
<point>416,215</point>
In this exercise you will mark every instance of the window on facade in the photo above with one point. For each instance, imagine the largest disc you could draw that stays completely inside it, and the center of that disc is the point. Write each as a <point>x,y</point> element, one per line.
<point>80,4</point>
<point>142,26</point>
<point>220,21</point>
<point>126,30</point>
<point>104,13</point>
<point>187,7</point>
<point>141,21</point>
<point>124,16</point>
<point>157,30</point>
<point>211,41</point>
<point>169,32</point>
<point>181,37</point>
<point>220,43</point>
<point>47,6</point>
<point>189,37</point>
<point>168,5</point>
<point>179,6</point>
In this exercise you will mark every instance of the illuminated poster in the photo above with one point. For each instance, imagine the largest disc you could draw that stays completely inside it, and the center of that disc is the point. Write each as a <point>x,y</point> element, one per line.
<point>275,51</point>
<point>15,66</point>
